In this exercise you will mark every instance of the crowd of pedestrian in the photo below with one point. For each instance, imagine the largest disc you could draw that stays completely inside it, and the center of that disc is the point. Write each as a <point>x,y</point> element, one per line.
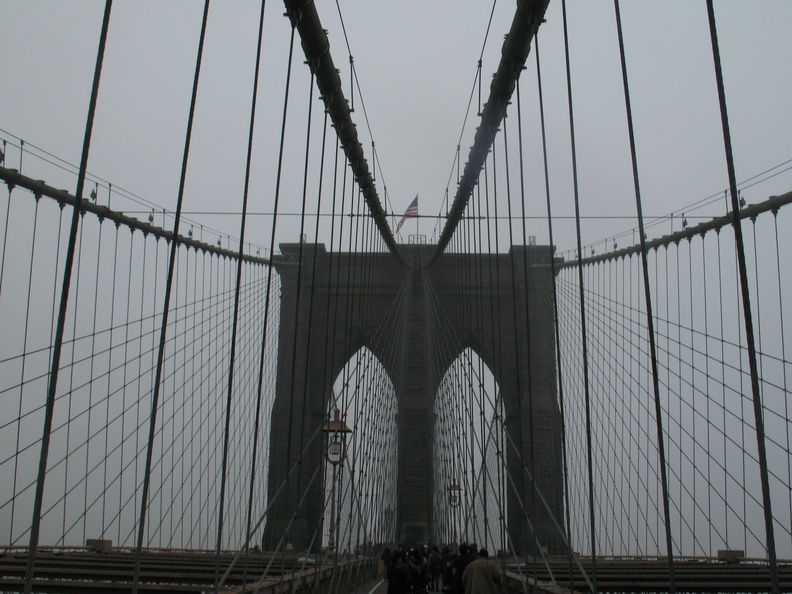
<point>423,568</point>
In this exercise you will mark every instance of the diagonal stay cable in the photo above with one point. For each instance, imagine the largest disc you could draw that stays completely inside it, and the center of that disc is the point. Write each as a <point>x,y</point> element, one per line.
<point>746,303</point>
<point>581,288</point>
<point>168,289</point>
<point>650,329</point>
<point>55,362</point>
<point>232,356</point>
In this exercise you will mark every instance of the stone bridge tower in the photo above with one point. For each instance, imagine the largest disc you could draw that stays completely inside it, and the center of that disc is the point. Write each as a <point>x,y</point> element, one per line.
<point>499,305</point>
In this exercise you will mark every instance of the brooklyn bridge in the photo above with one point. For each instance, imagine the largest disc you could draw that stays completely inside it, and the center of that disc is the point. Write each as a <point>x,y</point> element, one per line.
<point>231,361</point>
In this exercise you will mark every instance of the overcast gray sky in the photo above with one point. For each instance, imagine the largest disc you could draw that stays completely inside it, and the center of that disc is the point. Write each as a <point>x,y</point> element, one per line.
<point>416,63</point>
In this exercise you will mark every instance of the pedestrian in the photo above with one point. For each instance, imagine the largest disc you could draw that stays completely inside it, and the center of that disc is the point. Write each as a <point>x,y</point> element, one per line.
<point>386,558</point>
<point>435,568</point>
<point>419,571</point>
<point>448,569</point>
<point>458,566</point>
<point>398,578</point>
<point>482,576</point>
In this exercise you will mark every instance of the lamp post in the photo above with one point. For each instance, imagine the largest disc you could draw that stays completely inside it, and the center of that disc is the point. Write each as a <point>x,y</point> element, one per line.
<point>454,499</point>
<point>335,431</point>
<point>388,521</point>
<point>454,494</point>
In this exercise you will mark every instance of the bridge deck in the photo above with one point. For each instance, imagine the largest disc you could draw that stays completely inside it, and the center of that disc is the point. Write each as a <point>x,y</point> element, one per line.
<point>651,575</point>
<point>165,571</point>
<point>70,570</point>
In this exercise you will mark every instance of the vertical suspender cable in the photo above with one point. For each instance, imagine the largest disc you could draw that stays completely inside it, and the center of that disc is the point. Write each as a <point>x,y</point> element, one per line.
<point>555,285</point>
<point>329,348</point>
<point>583,336</point>
<point>746,301</point>
<point>106,428</point>
<point>10,188</point>
<point>649,313</point>
<point>725,492</point>
<point>494,267</point>
<point>236,305</point>
<point>22,367</point>
<point>521,161</point>
<point>300,413</point>
<point>514,304</point>
<point>529,387</point>
<point>64,300</point>
<point>270,266</point>
<point>708,415</point>
<point>316,240</point>
<point>758,298</point>
<point>785,384</point>
<point>692,382</point>
<point>166,306</point>
<point>91,375</point>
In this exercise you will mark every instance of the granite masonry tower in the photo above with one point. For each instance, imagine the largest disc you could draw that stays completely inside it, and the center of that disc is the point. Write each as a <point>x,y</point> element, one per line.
<point>499,305</point>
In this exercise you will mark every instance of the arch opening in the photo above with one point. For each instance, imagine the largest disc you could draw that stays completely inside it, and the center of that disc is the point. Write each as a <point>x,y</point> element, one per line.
<point>360,490</point>
<point>469,464</point>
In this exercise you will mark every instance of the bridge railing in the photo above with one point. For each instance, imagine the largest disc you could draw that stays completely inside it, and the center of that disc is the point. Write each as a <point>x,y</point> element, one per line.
<point>76,569</point>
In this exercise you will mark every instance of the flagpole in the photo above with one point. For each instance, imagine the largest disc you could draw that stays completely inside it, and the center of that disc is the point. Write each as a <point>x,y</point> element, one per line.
<point>412,211</point>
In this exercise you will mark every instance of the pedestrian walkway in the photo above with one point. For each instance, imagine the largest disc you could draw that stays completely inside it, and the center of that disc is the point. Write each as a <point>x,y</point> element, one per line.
<point>373,587</point>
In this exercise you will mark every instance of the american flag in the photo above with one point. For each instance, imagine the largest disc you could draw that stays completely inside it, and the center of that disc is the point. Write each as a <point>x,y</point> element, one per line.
<point>412,211</point>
